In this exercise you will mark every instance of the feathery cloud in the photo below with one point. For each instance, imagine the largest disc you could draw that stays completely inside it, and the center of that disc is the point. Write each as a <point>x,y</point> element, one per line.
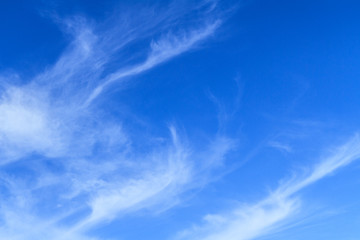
<point>250,221</point>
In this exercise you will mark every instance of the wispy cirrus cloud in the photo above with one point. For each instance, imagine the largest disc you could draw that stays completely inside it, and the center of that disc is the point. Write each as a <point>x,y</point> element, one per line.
<point>53,102</point>
<point>162,50</point>
<point>279,208</point>
<point>69,165</point>
<point>79,166</point>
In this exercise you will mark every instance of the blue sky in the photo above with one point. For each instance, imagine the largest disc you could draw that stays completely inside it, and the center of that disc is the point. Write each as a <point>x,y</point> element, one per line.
<point>179,120</point>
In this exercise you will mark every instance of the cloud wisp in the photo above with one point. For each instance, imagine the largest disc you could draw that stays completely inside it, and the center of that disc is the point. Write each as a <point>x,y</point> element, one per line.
<point>43,115</point>
<point>162,50</point>
<point>280,207</point>
<point>78,165</point>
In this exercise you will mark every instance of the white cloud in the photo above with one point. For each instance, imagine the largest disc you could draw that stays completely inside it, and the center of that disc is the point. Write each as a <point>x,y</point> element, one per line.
<point>280,146</point>
<point>87,165</point>
<point>255,220</point>
<point>162,50</point>
<point>26,125</point>
<point>80,167</point>
<point>169,172</point>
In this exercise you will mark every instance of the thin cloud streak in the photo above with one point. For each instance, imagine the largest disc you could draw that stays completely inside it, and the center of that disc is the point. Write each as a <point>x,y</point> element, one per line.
<point>164,181</point>
<point>255,220</point>
<point>161,51</point>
